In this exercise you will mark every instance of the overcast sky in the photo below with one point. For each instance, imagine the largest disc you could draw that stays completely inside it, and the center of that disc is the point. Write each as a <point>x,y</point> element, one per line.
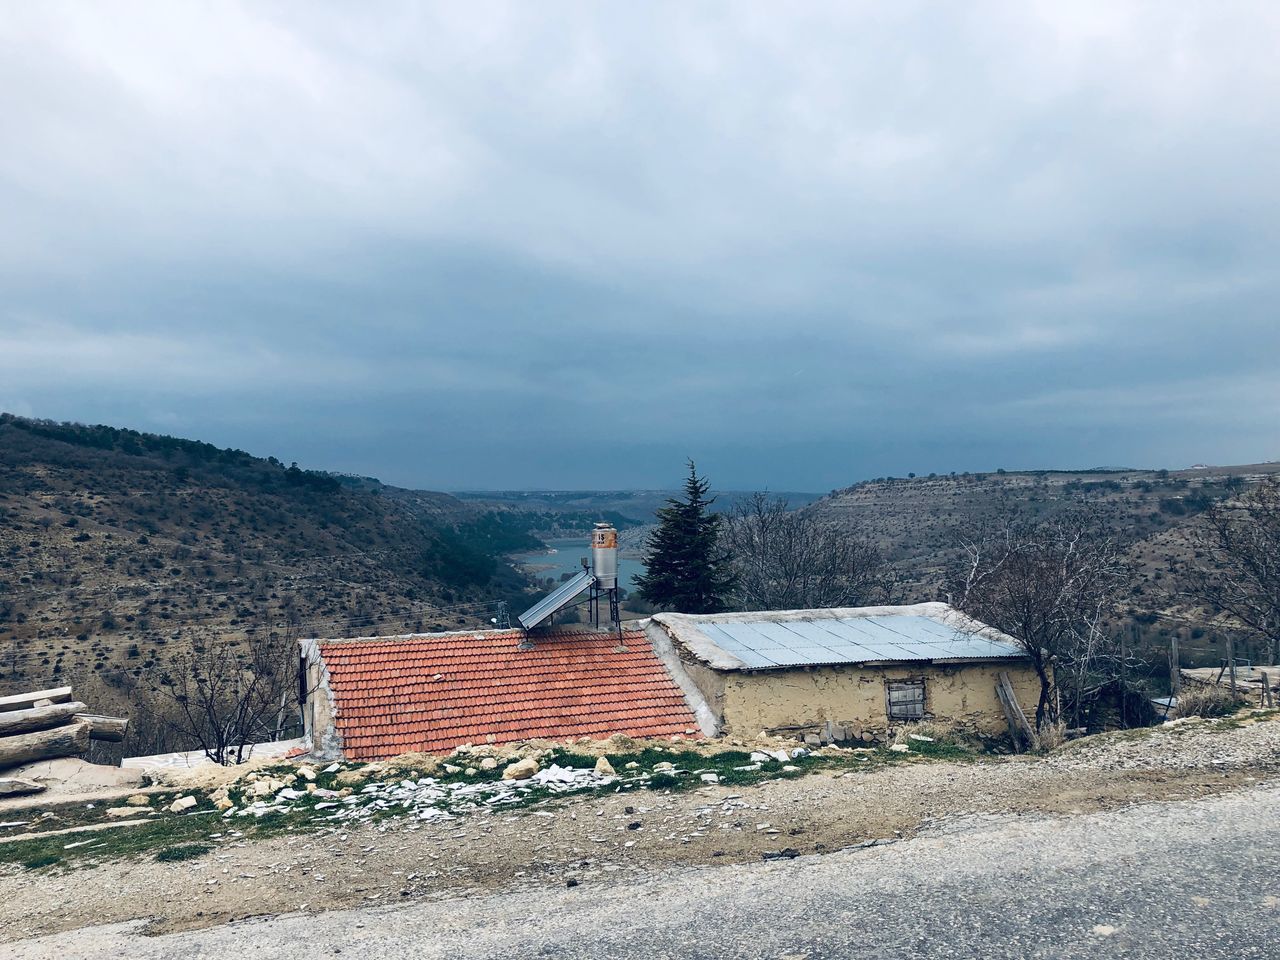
<point>568,245</point>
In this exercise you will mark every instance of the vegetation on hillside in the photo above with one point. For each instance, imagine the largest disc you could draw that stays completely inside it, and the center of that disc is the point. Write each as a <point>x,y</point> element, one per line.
<point>122,553</point>
<point>1157,519</point>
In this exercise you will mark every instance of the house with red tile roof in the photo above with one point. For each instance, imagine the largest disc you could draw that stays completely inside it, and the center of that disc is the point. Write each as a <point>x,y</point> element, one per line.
<point>836,674</point>
<point>376,697</point>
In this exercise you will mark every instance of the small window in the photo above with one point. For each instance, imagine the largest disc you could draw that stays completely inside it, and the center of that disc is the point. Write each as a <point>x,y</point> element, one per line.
<point>906,699</point>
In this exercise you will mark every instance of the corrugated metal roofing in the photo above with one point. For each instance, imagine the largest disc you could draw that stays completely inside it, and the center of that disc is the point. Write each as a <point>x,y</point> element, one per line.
<point>553,601</point>
<point>762,644</point>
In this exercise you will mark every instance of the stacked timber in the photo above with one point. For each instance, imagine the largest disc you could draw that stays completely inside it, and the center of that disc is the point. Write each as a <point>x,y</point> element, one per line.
<point>49,724</point>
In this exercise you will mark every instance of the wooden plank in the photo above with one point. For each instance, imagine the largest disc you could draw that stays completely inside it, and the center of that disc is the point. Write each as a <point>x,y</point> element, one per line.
<point>37,718</point>
<point>1015,709</point>
<point>1014,733</point>
<point>25,701</point>
<point>65,741</point>
<point>86,828</point>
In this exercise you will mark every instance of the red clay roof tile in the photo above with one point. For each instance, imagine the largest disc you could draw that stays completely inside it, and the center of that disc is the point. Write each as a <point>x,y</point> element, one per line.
<point>433,693</point>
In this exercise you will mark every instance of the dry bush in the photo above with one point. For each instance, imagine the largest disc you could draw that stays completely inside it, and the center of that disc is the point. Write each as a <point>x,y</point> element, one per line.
<point>941,733</point>
<point>1206,701</point>
<point>1051,736</point>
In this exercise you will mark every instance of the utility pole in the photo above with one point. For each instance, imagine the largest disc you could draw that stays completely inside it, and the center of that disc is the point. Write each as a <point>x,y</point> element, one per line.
<point>1231,660</point>
<point>1175,673</point>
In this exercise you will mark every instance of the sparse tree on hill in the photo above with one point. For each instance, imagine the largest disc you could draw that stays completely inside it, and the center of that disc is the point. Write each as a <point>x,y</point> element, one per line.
<point>687,569</point>
<point>1052,586</point>
<point>1239,574</point>
<point>787,559</point>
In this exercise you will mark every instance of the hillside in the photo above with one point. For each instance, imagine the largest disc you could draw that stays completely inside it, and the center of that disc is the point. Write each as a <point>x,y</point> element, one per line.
<point>917,521</point>
<point>119,549</point>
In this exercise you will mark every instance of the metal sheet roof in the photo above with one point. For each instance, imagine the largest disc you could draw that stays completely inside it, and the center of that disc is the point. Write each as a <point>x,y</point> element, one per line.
<point>762,644</point>
<point>560,597</point>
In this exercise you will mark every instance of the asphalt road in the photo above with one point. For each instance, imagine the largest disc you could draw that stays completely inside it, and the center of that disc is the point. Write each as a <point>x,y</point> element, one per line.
<point>1184,881</point>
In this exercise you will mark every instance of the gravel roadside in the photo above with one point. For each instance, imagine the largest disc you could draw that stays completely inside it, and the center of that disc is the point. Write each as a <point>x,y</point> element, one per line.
<point>588,841</point>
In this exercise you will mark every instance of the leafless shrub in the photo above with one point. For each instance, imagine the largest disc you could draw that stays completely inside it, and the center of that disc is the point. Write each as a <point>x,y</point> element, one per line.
<point>221,697</point>
<point>1239,572</point>
<point>790,560</point>
<point>1051,585</point>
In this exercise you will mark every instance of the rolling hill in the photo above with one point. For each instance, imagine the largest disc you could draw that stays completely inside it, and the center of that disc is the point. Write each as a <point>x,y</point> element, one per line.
<point>917,522</point>
<point>118,548</point>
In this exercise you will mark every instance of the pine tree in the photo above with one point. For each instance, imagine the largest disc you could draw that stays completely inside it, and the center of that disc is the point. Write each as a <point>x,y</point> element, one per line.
<point>687,571</point>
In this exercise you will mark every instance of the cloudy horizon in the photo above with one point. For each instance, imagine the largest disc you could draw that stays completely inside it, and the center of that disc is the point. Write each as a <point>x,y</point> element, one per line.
<point>568,246</point>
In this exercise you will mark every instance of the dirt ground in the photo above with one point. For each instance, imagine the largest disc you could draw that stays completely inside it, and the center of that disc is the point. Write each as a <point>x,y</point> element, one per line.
<point>591,840</point>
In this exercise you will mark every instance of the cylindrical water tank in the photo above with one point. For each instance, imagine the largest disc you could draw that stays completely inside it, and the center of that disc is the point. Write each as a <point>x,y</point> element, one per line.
<point>604,556</point>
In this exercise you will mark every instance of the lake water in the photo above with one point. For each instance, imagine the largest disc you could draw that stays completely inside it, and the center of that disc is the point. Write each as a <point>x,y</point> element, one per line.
<point>568,559</point>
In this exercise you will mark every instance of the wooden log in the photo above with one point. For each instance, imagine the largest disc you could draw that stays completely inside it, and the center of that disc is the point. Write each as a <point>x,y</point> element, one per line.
<point>64,741</point>
<point>13,787</point>
<point>37,718</point>
<point>25,701</point>
<point>110,729</point>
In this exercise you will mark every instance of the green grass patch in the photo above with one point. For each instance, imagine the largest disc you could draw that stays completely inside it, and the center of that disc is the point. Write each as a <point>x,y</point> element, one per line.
<point>122,843</point>
<point>183,851</point>
<point>42,860</point>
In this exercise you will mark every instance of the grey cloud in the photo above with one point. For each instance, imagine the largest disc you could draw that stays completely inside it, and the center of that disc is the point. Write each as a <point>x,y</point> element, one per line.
<point>568,245</point>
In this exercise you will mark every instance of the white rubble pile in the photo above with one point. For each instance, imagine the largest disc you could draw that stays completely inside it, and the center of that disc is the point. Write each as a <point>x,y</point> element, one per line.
<point>428,798</point>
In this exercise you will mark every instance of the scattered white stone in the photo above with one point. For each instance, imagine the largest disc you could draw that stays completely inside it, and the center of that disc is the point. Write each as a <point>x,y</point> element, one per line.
<point>1104,930</point>
<point>916,736</point>
<point>900,748</point>
<point>710,778</point>
<point>488,763</point>
<point>182,803</point>
<point>306,773</point>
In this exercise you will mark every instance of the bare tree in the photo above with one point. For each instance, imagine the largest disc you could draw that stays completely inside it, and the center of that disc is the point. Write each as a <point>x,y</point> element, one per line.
<point>1239,572</point>
<point>223,699</point>
<point>787,560</point>
<point>1052,586</point>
